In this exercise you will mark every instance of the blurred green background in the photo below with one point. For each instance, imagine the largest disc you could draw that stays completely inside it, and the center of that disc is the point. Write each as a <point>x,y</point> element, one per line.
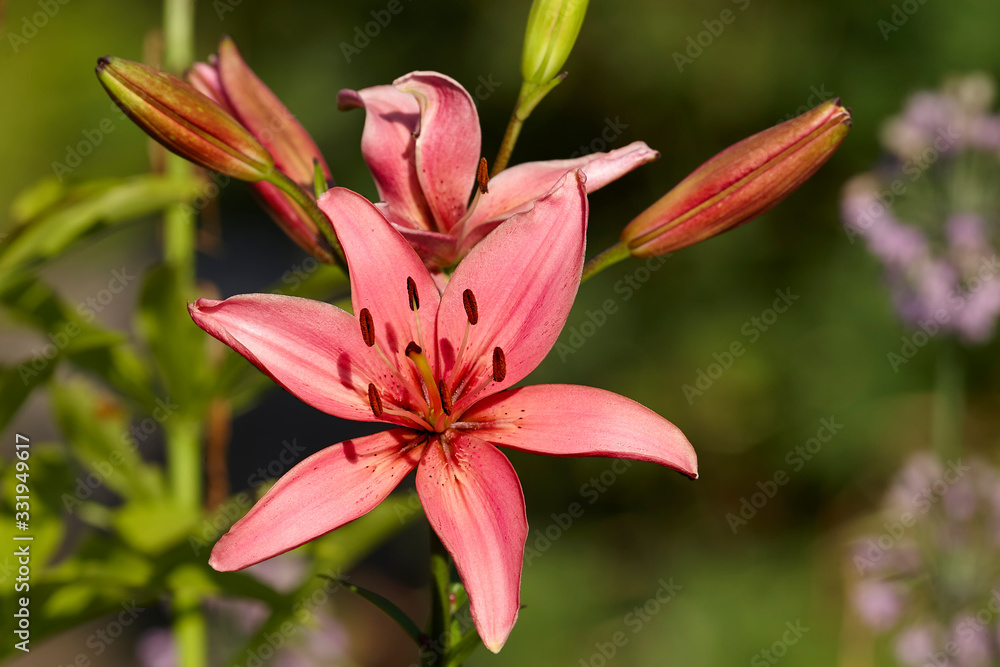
<point>825,358</point>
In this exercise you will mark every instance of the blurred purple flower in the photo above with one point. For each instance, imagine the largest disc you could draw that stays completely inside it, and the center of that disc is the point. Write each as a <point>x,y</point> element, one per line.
<point>156,648</point>
<point>915,645</point>
<point>932,559</point>
<point>938,249</point>
<point>878,603</point>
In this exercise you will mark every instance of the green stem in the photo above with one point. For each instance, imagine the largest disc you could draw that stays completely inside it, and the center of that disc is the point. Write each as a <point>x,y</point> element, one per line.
<point>183,434</point>
<point>184,461</point>
<point>178,35</point>
<point>948,401</point>
<point>190,630</point>
<point>507,144</point>
<point>612,255</point>
<point>439,632</point>
<point>531,94</point>
<point>309,205</point>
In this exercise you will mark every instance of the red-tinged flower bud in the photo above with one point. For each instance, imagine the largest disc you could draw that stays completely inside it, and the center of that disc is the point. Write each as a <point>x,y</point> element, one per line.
<point>184,120</point>
<point>229,81</point>
<point>740,183</point>
<point>260,111</point>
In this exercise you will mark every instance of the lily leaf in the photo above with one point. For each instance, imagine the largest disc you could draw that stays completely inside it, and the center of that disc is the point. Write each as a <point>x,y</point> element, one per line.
<point>99,435</point>
<point>390,609</point>
<point>72,335</point>
<point>80,212</point>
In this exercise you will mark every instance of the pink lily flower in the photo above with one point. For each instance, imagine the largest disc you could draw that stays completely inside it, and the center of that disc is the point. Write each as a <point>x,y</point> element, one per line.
<point>421,141</point>
<point>438,367</point>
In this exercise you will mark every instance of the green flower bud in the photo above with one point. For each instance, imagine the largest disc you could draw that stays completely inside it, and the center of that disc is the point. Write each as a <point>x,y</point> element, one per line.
<point>552,29</point>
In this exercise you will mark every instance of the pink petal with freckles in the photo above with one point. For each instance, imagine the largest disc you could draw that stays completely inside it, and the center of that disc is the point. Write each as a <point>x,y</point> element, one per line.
<point>569,420</point>
<point>312,349</point>
<point>474,503</point>
<point>448,143</point>
<point>330,488</point>
<point>514,189</point>
<point>524,276</point>
<point>387,144</point>
<point>270,121</point>
<point>379,261</point>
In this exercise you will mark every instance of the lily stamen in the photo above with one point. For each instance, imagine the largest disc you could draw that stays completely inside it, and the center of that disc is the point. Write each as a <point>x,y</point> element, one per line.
<point>374,400</point>
<point>416,355</point>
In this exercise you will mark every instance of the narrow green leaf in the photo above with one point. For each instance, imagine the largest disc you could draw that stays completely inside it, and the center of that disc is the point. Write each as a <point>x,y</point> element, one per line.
<point>17,383</point>
<point>390,609</point>
<point>74,334</point>
<point>99,435</point>
<point>465,647</point>
<point>82,212</point>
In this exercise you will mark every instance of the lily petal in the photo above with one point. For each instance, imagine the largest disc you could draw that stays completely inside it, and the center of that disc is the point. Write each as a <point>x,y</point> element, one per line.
<point>537,419</point>
<point>330,488</point>
<point>514,189</point>
<point>437,250</point>
<point>205,79</point>
<point>448,143</point>
<point>474,503</point>
<point>380,261</point>
<point>524,277</point>
<point>387,144</point>
<point>312,349</point>
<point>268,118</point>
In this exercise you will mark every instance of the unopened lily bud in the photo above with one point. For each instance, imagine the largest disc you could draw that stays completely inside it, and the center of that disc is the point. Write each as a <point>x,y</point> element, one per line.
<point>740,183</point>
<point>553,26</point>
<point>185,121</point>
<point>229,81</point>
<point>268,119</point>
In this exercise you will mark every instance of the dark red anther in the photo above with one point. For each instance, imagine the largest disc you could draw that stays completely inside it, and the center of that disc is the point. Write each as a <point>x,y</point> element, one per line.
<point>499,365</point>
<point>482,176</point>
<point>367,327</point>
<point>411,293</point>
<point>374,400</point>
<point>445,397</point>
<point>471,307</point>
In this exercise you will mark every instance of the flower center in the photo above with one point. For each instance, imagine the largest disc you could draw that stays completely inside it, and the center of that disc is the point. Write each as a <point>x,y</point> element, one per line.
<point>431,404</point>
